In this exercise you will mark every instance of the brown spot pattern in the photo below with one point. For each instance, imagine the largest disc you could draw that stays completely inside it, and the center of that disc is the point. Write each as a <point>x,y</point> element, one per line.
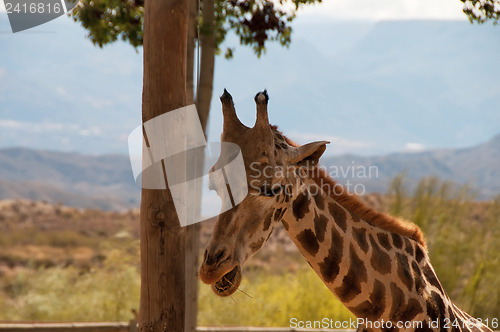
<point>439,302</point>
<point>374,308</point>
<point>404,272</point>
<point>320,222</point>
<point>397,240</point>
<point>412,309</point>
<point>278,213</point>
<point>417,276</point>
<point>419,254</point>
<point>329,268</point>
<point>398,300</point>
<point>430,276</point>
<point>356,275</point>
<point>453,318</point>
<point>318,198</point>
<point>267,223</point>
<point>339,215</point>
<point>285,224</point>
<point>359,235</point>
<point>257,245</point>
<point>432,310</point>
<point>409,247</point>
<point>308,241</point>
<point>249,228</point>
<point>301,205</point>
<point>440,309</point>
<point>424,327</point>
<point>380,260</point>
<point>355,217</point>
<point>383,239</point>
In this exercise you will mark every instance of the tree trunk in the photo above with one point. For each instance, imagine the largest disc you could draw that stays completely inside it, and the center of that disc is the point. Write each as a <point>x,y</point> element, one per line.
<point>162,304</point>
<point>192,231</point>
<point>192,249</point>
<point>203,98</point>
<point>207,62</point>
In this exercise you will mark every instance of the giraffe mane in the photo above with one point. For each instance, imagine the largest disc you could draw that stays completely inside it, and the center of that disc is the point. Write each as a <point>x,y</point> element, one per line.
<point>352,204</point>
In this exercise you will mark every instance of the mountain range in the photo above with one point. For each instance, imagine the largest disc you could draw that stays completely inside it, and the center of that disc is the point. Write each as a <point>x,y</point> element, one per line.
<point>86,181</point>
<point>106,181</point>
<point>477,167</point>
<point>372,87</point>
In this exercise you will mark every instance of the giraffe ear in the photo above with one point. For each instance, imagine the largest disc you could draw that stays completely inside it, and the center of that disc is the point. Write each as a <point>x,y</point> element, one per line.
<point>308,155</point>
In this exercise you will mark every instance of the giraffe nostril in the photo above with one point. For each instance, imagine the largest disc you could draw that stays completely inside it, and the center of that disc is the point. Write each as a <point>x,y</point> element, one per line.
<point>216,257</point>
<point>220,256</point>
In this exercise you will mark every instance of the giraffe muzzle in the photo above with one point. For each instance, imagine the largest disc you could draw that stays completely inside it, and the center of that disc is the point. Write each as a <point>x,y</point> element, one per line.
<point>220,270</point>
<point>229,282</point>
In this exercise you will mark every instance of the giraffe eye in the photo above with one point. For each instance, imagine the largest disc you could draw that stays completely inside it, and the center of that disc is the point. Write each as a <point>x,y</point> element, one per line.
<point>271,191</point>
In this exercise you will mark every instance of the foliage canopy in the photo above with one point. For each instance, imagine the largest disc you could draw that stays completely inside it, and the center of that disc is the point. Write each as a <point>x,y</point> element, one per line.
<point>253,21</point>
<point>481,11</point>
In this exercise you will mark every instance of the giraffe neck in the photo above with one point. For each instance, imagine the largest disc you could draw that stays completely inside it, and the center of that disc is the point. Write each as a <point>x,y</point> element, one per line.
<point>378,275</point>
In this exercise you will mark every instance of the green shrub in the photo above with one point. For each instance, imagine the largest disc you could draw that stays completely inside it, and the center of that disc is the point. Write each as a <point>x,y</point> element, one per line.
<point>275,299</point>
<point>68,294</point>
<point>462,237</point>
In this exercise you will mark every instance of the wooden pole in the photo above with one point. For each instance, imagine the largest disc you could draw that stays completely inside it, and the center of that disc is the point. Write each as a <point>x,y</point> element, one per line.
<point>192,231</point>
<point>207,61</point>
<point>162,304</point>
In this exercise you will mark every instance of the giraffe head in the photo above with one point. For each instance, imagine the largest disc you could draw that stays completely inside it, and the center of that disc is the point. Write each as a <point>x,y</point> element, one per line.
<point>270,166</point>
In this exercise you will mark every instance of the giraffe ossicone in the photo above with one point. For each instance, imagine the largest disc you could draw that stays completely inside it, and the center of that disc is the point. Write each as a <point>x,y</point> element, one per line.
<point>376,264</point>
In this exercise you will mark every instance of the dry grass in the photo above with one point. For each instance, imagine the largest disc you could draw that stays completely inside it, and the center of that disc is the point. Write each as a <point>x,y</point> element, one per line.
<point>52,255</point>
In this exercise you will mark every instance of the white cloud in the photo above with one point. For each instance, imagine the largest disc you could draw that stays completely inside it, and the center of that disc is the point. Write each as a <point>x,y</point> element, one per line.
<point>93,101</point>
<point>387,10</point>
<point>97,102</point>
<point>2,7</point>
<point>49,127</point>
<point>63,92</point>
<point>31,126</point>
<point>12,124</point>
<point>92,131</point>
<point>414,147</point>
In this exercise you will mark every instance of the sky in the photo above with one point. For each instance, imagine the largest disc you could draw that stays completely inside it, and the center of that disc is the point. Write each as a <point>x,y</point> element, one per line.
<point>88,92</point>
<point>380,9</point>
<point>387,9</point>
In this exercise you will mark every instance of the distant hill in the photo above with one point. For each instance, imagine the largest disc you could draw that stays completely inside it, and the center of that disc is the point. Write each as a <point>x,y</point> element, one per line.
<point>477,166</point>
<point>374,86</point>
<point>106,181</point>
<point>87,181</point>
<point>393,83</point>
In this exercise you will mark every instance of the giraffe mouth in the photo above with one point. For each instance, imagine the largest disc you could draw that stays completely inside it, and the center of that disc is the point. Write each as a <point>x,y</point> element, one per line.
<point>229,282</point>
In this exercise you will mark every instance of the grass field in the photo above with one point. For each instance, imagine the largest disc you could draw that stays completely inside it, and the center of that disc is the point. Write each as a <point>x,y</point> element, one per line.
<point>62,264</point>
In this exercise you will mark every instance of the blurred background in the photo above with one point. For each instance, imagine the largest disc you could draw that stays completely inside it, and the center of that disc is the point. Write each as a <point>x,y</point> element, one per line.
<point>410,87</point>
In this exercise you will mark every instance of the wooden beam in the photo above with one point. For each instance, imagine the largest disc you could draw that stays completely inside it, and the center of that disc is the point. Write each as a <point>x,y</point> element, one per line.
<point>162,304</point>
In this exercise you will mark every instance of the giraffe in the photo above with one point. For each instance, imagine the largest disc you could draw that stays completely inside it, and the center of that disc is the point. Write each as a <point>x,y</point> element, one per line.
<point>377,265</point>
